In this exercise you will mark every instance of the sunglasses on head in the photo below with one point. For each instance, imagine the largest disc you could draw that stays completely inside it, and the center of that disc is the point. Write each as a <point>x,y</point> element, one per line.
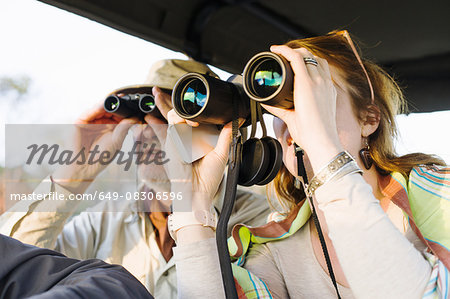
<point>346,35</point>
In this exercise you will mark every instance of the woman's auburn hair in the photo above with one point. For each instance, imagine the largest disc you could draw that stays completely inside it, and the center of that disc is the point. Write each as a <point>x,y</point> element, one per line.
<point>389,101</point>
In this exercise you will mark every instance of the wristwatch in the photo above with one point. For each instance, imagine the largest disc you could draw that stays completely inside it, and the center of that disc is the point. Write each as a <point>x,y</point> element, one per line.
<point>178,220</point>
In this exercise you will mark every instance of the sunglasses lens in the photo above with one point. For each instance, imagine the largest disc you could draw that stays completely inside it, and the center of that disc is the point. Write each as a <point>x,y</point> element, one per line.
<point>267,77</point>
<point>193,97</point>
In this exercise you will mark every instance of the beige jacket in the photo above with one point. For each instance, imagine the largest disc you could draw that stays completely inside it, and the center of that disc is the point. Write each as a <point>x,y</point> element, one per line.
<point>125,238</point>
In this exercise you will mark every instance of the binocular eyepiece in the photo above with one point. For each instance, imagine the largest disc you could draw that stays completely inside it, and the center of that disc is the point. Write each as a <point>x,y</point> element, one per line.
<point>267,78</point>
<point>130,105</point>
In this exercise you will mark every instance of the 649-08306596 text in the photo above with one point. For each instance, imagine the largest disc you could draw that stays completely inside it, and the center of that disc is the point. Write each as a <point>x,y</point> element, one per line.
<point>97,195</point>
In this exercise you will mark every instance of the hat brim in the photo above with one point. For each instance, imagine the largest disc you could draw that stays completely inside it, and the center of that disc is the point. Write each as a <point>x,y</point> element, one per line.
<point>140,88</point>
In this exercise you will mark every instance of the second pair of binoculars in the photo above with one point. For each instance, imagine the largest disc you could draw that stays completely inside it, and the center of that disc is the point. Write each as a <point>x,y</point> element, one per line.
<point>132,101</point>
<point>267,78</point>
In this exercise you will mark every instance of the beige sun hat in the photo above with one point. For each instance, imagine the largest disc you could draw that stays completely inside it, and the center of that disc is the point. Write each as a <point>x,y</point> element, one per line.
<point>165,73</point>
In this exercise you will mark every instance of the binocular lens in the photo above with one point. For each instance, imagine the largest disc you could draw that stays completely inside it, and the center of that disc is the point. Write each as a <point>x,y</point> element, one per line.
<point>111,104</point>
<point>193,97</point>
<point>267,77</point>
<point>147,104</point>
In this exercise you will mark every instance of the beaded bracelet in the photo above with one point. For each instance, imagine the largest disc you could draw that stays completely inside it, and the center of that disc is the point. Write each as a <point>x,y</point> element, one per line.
<point>334,167</point>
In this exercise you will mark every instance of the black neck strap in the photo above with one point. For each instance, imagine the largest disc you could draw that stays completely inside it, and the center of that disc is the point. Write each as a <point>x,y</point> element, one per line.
<point>302,174</point>
<point>261,120</point>
<point>228,203</point>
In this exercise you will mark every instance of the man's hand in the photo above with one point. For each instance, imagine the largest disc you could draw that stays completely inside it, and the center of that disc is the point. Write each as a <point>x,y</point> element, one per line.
<point>95,128</point>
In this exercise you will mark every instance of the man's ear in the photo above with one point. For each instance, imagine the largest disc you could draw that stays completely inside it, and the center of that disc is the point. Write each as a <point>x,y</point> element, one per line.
<point>370,120</point>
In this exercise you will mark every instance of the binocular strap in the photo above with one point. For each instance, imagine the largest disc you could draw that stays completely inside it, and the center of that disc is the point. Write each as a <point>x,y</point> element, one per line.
<point>228,203</point>
<point>302,173</point>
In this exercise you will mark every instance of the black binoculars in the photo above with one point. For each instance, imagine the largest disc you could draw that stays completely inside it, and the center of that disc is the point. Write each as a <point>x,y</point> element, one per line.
<point>267,78</point>
<point>130,105</point>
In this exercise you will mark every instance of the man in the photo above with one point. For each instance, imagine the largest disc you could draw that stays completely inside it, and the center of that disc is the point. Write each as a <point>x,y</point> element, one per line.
<point>134,238</point>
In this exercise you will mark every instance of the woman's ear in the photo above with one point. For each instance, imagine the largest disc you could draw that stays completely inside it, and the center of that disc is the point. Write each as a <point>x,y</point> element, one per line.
<point>370,120</point>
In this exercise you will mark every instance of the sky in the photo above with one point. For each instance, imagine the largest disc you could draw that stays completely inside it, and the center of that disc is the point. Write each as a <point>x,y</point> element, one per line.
<point>74,62</point>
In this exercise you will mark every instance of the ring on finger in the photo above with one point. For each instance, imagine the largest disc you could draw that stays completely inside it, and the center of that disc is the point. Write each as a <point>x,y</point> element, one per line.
<point>310,60</point>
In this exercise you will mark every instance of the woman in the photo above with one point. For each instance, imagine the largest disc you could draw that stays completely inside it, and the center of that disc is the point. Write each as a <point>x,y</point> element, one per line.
<point>343,107</point>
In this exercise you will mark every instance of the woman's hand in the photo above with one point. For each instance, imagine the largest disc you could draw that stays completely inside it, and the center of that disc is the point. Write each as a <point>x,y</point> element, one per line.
<point>201,180</point>
<point>312,123</point>
<point>107,136</point>
<point>207,172</point>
